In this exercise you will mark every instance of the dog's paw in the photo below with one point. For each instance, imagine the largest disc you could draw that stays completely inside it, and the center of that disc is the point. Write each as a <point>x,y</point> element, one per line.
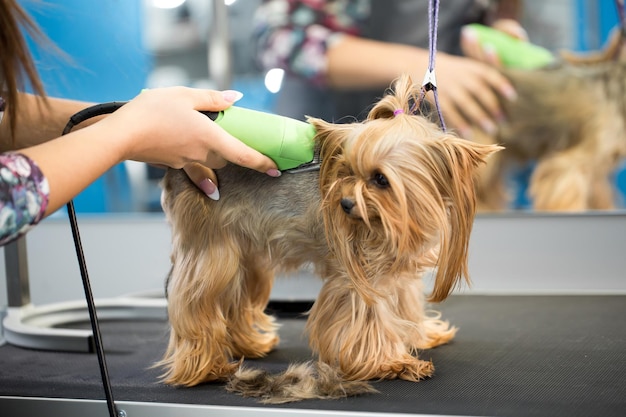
<point>257,348</point>
<point>437,332</point>
<point>189,374</point>
<point>417,370</point>
<point>409,369</point>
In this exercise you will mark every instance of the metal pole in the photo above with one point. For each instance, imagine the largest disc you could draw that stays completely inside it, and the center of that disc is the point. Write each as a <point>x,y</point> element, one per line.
<point>16,265</point>
<point>218,44</point>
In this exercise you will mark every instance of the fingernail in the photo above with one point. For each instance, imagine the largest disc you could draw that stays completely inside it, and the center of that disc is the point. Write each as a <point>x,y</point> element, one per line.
<point>510,93</point>
<point>232,95</point>
<point>465,133</point>
<point>209,188</point>
<point>488,126</point>
<point>274,173</point>
<point>490,50</point>
<point>469,34</point>
<point>521,33</point>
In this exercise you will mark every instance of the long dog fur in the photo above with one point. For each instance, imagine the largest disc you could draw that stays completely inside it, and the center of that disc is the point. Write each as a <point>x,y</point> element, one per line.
<point>394,199</point>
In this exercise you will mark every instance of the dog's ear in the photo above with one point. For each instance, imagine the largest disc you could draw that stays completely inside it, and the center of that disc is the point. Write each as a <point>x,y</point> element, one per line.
<point>322,127</point>
<point>614,48</point>
<point>458,160</point>
<point>330,136</point>
<point>326,129</point>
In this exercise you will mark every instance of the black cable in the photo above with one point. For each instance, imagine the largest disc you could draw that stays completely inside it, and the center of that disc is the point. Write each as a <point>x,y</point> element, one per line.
<point>93,111</point>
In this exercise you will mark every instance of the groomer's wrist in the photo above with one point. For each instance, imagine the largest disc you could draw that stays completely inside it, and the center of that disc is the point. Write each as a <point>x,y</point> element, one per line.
<point>117,144</point>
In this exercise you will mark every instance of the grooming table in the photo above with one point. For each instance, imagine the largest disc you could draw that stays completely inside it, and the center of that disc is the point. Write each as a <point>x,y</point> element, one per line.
<point>513,356</point>
<point>541,330</point>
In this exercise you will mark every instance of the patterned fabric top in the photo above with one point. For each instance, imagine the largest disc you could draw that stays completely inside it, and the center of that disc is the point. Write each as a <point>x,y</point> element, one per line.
<point>295,34</point>
<point>24,195</point>
<point>299,32</point>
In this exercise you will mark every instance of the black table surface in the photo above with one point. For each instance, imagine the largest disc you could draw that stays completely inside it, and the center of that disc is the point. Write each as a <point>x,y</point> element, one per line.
<point>513,356</point>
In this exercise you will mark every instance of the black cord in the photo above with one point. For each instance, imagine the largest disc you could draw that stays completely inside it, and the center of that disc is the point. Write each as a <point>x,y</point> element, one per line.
<point>93,111</point>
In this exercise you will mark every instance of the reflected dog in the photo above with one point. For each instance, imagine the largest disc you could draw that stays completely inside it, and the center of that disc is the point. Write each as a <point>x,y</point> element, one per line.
<point>394,199</point>
<point>570,120</point>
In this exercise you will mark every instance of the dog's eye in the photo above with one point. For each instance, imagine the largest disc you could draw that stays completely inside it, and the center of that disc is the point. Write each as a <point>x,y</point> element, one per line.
<point>380,180</point>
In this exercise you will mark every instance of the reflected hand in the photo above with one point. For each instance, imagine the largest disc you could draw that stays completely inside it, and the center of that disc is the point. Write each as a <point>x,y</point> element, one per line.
<point>473,49</point>
<point>472,93</point>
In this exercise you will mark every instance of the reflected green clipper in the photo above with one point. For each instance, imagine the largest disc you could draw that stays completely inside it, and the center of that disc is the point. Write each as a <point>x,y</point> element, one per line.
<point>513,52</point>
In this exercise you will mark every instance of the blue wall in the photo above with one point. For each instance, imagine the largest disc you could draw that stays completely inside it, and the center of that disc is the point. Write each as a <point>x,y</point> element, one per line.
<point>103,59</point>
<point>594,20</point>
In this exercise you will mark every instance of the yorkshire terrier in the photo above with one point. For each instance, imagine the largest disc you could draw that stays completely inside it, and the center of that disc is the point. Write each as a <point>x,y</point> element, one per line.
<point>570,121</point>
<point>394,198</point>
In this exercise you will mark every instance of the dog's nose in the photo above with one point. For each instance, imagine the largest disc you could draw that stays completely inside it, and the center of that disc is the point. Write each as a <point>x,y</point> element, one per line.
<point>347,205</point>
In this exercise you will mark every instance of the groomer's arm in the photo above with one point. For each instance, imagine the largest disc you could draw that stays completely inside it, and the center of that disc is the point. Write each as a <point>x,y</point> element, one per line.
<point>469,90</point>
<point>355,63</point>
<point>39,121</point>
<point>144,130</point>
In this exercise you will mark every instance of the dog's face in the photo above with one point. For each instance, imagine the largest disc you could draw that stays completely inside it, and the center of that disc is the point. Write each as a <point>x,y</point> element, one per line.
<point>397,194</point>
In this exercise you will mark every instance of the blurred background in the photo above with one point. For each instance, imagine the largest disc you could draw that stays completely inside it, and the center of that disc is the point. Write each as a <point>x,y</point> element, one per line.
<point>115,48</point>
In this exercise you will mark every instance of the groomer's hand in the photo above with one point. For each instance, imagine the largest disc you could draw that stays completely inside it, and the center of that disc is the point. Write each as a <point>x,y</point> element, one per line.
<point>164,126</point>
<point>470,93</point>
<point>204,178</point>
<point>473,49</point>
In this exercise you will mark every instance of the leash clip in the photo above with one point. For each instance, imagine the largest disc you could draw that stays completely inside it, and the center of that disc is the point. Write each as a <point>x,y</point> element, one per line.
<point>430,81</point>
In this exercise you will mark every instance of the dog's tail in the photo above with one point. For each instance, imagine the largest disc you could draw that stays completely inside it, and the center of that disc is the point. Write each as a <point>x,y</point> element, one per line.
<point>309,380</point>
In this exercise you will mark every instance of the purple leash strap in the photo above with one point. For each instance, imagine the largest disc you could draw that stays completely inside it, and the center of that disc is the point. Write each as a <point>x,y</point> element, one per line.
<point>430,81</point>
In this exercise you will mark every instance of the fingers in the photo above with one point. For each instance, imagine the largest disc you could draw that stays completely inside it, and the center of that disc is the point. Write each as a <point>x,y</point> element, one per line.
<point>237,152</point>
<point>215,100</point>
<point>231,149</point>
<point>472,48</point>
<point>204,178</point>
<point>511,27</point>
<point>478,102</point>
<point>173,133</point>
<point>468,109</point>
<point>471,93</point>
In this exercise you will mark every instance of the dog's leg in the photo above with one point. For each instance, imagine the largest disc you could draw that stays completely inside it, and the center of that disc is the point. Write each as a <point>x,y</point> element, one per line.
<point>579,178</point>
<point>611,144</point>
<point>429,330</point>
<point>602,195</point>
<point>204,289</point>
<point>253,332</point>
<point>561,182</point>
<point>363,341</point>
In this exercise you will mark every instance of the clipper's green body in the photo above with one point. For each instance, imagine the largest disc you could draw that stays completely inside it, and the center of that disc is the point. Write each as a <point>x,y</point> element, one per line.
<point>513,52</point>
<point>288,142</point>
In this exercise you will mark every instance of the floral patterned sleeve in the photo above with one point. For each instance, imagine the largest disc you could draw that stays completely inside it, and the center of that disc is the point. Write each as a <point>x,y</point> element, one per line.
<point>24,195</point>
<point>294,35</point>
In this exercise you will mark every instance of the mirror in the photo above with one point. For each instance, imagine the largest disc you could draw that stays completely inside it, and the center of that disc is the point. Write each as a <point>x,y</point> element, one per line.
<point>123,47</point>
